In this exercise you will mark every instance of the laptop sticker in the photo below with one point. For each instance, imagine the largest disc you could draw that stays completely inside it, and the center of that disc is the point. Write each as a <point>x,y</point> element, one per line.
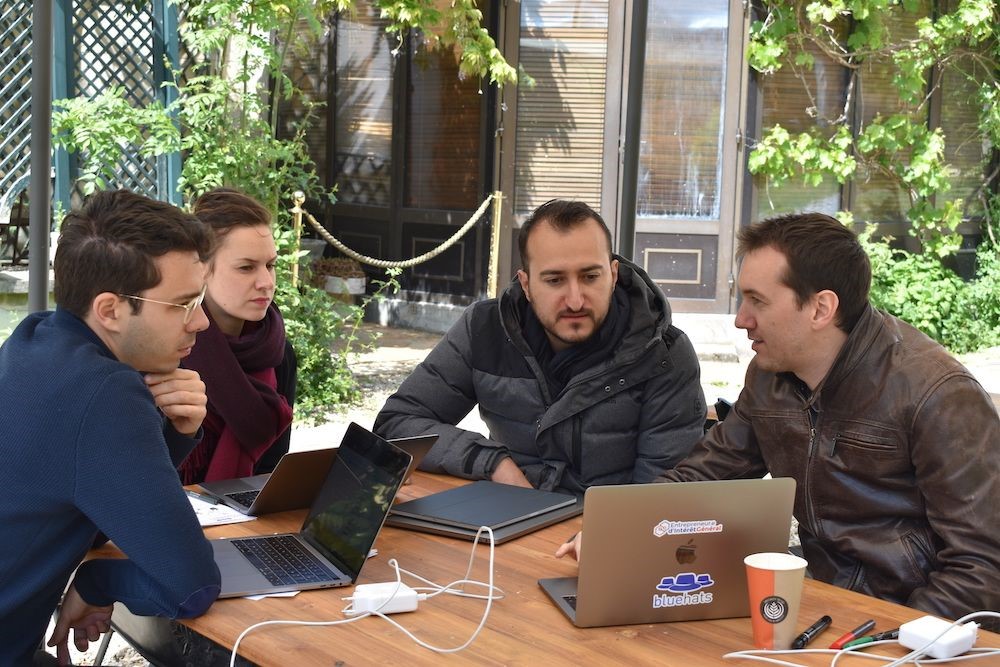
<point>773,609</point>
<point>668,527</point>
<point>687,588</point>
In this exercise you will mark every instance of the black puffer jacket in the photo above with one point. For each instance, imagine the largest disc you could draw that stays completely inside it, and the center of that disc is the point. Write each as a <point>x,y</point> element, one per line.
<point>627,420</point>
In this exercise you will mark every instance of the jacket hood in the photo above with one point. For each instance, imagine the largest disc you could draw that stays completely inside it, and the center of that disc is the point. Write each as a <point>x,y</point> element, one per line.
<point>650,317</point>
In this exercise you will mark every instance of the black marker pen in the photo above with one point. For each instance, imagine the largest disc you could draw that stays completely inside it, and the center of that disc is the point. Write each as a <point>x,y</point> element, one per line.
<point>810,633</point>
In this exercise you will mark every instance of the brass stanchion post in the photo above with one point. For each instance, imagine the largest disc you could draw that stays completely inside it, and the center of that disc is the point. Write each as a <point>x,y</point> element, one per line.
<point>299,198</point>
<point>494,268</point>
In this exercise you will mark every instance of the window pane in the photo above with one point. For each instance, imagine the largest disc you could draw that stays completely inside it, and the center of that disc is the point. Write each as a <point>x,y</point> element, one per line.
<point>442,133</point>
<point>364,108</point>
<point>307,66</point>
<point>560,120</point>
<point>880,196</point>
<point>787,102</point>
<point>965,150</point>
<point>682,109</point>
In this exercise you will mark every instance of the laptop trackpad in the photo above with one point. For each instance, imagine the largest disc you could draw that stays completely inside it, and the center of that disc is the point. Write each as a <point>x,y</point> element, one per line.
<point>238,575</point>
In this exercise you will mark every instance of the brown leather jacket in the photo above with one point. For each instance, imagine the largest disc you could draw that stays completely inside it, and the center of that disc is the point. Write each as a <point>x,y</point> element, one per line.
<point>896,456</point>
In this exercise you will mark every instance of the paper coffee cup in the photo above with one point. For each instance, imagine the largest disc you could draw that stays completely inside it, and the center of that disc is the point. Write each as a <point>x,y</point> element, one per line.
<point>774,582</point>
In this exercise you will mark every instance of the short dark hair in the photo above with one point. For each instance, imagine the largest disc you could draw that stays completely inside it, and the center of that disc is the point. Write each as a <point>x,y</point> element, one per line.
<point>225,208</point>
<point>111,243</point>
<point>563,215</point>
<point>822,254</point>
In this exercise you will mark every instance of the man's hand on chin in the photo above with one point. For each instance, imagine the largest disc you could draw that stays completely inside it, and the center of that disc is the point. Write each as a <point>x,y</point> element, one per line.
<point>508,473</point>
<point>180,395</point>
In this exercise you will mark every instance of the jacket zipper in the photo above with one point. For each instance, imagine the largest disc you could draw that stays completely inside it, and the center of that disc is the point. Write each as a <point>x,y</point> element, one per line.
<point>813,416</point>
<point>577,445</point>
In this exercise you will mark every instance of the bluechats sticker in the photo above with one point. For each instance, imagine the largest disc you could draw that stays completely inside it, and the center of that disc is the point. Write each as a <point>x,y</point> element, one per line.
<point>773,609</point>
<point>682,590</point>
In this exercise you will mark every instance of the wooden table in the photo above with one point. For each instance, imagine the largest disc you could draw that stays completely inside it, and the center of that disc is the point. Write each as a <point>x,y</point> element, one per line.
<point>523,628</point>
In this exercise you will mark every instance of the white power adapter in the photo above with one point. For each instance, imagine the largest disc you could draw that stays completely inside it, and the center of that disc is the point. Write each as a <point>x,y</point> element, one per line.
<point>388,597</point>
<point>959,639</point>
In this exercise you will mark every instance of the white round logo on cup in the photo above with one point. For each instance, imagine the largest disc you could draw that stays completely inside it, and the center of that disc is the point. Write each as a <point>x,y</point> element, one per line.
<point>773,609</point>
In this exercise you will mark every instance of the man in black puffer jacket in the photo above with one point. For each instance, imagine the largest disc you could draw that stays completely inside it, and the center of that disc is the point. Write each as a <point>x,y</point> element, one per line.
<point>576,368</point>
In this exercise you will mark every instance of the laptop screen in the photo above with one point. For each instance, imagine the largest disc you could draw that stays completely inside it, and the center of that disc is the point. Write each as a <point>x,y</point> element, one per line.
<point>348,513</point>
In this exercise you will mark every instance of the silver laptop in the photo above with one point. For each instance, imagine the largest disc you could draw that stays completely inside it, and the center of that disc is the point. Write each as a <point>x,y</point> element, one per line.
<point>339,531</point>
<point>293,485</point>
<point>296,479</point>
<point>683,543</point>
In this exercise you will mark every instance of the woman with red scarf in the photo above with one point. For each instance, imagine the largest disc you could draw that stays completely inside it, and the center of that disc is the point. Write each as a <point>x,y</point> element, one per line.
<point>243,357</point>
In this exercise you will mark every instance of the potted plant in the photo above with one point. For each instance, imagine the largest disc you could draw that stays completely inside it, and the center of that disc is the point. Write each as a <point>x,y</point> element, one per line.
<point>338,275</point>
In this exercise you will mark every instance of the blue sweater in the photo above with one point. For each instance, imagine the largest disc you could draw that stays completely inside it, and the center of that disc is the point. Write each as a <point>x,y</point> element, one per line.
<point>84,448</point>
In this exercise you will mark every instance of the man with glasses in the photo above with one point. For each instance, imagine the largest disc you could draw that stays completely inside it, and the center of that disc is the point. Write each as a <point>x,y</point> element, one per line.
<point>97,414</point>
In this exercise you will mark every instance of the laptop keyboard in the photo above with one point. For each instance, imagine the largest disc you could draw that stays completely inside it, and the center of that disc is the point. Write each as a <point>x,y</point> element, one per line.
<point>570,600</point>
<point>244,498</point>
<point>283,560</point>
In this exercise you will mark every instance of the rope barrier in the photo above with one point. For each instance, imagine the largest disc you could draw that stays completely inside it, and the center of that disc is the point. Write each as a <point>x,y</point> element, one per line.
<point>299,198</point>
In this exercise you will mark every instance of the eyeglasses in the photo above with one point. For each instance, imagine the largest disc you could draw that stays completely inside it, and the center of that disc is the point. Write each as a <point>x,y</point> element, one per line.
<point>188,307</point>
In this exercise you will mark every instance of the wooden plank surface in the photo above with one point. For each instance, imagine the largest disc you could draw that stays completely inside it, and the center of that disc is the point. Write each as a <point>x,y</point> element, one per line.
<point>523,628</point>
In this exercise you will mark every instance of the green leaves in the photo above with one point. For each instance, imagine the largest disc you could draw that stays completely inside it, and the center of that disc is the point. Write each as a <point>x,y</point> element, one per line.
<point>456,24</point>
<point>922,290</point>
<point>899,143</point>
<point>811,155</point>
<point>224,122</point>
<point>103,130</point>
<point>921,49</point>
<point>769,38</point>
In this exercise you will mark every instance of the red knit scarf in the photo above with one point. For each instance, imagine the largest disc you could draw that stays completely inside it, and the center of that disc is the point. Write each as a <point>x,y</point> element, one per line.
<point>245,412</point>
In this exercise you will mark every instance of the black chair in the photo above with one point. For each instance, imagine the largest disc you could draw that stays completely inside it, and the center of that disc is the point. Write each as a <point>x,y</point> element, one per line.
<point>722,408</point>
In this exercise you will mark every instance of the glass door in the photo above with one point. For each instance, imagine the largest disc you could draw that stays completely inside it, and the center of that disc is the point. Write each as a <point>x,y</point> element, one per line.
<point>689,161</point>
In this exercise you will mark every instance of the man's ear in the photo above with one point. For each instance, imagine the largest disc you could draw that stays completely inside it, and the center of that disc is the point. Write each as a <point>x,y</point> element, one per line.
<point>107,311</point>
<point>614,272</point>
<point>522,277</point>
<point>825,306</point>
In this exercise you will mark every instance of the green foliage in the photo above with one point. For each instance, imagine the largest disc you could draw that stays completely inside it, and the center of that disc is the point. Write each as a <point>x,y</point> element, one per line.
<point>916,288</point>
<point>104,127</point>
<point>962,38</point>
<point>854,34</point>
<point>810,154</point>
<point>963,316</point>
<point>457,23</point>
<point>224,119</point>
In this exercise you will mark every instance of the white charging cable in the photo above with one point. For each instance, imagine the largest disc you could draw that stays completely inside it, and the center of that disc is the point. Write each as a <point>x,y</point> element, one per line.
<point>255,626</point>
<point>914,657</point>
<point>493,593</point>
<point>448,589</point>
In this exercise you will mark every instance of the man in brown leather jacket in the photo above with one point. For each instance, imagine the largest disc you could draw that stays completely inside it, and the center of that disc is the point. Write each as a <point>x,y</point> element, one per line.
<point>894,445</point>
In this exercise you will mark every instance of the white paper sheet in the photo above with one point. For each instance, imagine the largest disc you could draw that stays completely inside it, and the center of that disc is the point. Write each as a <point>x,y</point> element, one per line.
<point>216,515</point>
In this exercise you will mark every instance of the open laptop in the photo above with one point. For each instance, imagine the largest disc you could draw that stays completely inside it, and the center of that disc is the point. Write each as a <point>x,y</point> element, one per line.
<point>511,511</point>
<point>293,484</point>
<point>416,446</point>
<point>296,479</point>
<point>672,552</point>
<point>343,522</point>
